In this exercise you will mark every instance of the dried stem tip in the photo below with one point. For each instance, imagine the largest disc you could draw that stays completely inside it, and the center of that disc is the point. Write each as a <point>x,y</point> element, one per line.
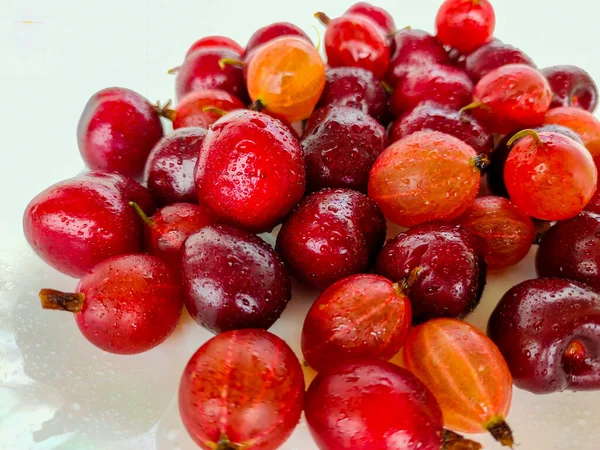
<point>63,301</point>
<point>164,110</point>
<point>323,18</point>
<point>454,441</point>
<point>500,430</point>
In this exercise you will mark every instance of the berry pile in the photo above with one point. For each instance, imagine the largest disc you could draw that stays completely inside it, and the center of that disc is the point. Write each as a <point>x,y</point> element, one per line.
<point>458,137</point>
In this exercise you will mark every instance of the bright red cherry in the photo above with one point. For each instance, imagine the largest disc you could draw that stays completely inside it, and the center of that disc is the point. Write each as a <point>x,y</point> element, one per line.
<point>378,15</point>
<point>272,31</point>
<point>493,55</point>
<point>215,41</point>
<point>572,86</point>
<point>117,130</point>
<point>465,24</point>
<point>127,304</point>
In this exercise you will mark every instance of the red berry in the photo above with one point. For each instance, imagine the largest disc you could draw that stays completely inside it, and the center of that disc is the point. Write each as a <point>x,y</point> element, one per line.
<point>242,389</point>
<point>233,279</point>
<point>170,167</point>
<point>572,86</point>
<point>465,24</point>
<point>77,223</point>
<point>127,304</point>
<point>594,204</point>
<point>250,171</point>
<point>272,31</point>
<point>117,130</point>
<point>340,145</point>
<point>378,15</point>
<point>215,41</point>
<point>203,108</point>
<point>493,55</point>
<point>332,234</point>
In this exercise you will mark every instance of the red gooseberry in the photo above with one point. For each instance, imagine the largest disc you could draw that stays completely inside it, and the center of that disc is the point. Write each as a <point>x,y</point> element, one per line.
<point>378,15</point>
<point>465,24</point>
<point>215,41</point>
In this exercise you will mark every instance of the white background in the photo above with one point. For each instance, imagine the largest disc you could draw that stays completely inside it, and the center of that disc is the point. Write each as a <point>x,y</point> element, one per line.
<point>48,70</point>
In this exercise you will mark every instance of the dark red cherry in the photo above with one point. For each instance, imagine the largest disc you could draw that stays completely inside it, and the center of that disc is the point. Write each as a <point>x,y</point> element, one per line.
<point>170,167</point>
<point>77,223</point>
<point>340,145</point>
<point>492,55</point>
<point>333,233</point>
<point>451,270</point>
<point>378,15</point>
<point>117,130</point>
<point>465,24</point>
<point>233,279</point>
<point>272,31</point>
<point>215,41</point>
<point>548,331</point>
<point>572,86</point>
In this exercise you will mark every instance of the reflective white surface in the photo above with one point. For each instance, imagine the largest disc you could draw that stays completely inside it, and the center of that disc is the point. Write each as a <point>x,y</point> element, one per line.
<point>57,391</point>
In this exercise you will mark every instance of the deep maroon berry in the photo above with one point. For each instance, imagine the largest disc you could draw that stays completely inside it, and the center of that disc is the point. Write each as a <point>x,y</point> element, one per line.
<point>594,204</point>
<point>572,86</point>
<point>492,55</point>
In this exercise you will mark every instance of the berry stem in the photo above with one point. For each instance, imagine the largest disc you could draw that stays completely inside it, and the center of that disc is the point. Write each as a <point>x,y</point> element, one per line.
<point>141,213</point>
<point>500,430</point>
<point>522,134</point>
<point>454,441</point>
<point>62,301</point>
<point>470,106</point>
<point>323,18</point>
<point>404,285</point>
<point>387,88</point>
<point>224,444</point>
<point>481,162</point>
<point>475,2</point>
<point>215,110</point>
<point>257,105</point>
<point>230,62</point>
<point>541,228</point>
<point>165,111</point>
<point>173,70</point>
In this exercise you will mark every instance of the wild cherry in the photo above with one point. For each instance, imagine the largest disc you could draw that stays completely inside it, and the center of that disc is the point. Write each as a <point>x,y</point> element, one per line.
<point>424,177</point>
<point>447,267</point>
<point>548,175</point>
<point>354,40</point>
<point>378,15</point>
<point>358,316</point>
<point>127,304</point>
<point>273,31</point>
<point>467,374</point>
<point>465,24</point>
<point>117,130</point>
<point>250,171</point>
<point>232,279</point>
<point>332,234</point>
<point>493,55</point>
<point>77,223</point>
<point>340,146</point>
<point>431,116</point>
<point>242,389</point>
<point>571,249</point>
<point>572,86</point>
<point>548,330</point>
<point>356,88</point>
<point>215,41</point>
<point>170,167</point>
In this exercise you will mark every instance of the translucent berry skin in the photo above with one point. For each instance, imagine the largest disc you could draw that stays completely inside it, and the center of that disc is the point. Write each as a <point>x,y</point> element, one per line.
<point>356,88</point>
<point>548,330</point>
<point>503,232</point>
<point>465,371</point>
<point>250,170</point>
<point>443,84</point>
<point>572,86</point>
<point>493,55</point>
<point>424,177</point>
<point>378,15</point>
<point>551,180</point>
<point>451,268</point>
<point>358,317</point>
<point>368,404</point>
<point>465,24</point>
<point>571,249</point>
<point>431,116</point>
<point>170,226</point>
<point>132,304</point>
<point>287,76</point>
<point>215,41</point>
<point>117,130</point>
<point>340,145</point>
<point>201,71</point>
<point>273,31</point>
<point>190,111</point>
<point>75,224</point>
<point>332,234</point>
<point>354,40</point>
<point>169,172</point>
<point>242,389</point>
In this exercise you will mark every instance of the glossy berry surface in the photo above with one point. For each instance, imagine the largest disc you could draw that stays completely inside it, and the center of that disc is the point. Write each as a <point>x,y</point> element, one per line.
<point>332,234</point>
<point>242,389</point>
<point>548,330</point>
<point>594,204</point>
<point>356,88</point>
<point>77,223</point>
<point>287,77</point>
<point>273,31</point>
<point>571,249</point>
<point>443,84</point>
<point>450,269</point>
<point>215,41</point>
<point>503,232</point>
<point>378,15</point>
<point>467,374</point>
<point>359,316</point>
<point>550,176</point>
<point>354,40</point>
<point>572,86</point>
<point>117,130</point>
<point>424,177</point>
<point>368,404</point>
<point>431,116</point>
<point>250,170</point>
<point>340,145</point>
<point>127,304</point>
<point>203,108</point>
<point>169,172</point>
<point>511,97</point>
<point>232,279</point>
<point>493,55</point>
<point>465,24</point>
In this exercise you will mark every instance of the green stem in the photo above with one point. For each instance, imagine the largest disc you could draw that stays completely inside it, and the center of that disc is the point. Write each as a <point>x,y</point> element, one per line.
<point>470,106</point>
<point>230,62</point>
<point>524,133</point>
<point>62,301</point>
<point>141,213</point>
<point>215,110</point>
<point>173,70</point>
<point>388,89</point>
